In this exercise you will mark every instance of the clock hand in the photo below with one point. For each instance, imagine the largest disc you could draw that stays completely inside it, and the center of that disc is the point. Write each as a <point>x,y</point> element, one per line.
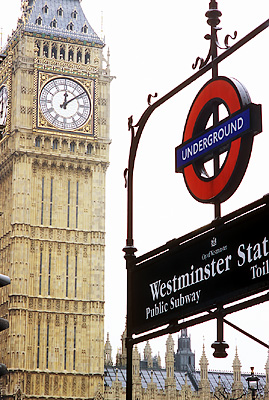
<point>69,101</point>
<point>65,102</point>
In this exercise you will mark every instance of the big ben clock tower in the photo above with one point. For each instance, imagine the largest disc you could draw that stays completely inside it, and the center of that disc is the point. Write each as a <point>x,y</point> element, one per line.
<point>54,122</point>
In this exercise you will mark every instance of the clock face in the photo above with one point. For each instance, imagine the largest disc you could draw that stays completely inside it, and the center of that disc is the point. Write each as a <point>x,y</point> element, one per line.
<point>3,105</point>
<point>65,103</point>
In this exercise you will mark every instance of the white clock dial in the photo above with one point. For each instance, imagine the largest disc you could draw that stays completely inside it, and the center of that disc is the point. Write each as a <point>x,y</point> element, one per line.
<point>65,103</point>
<point>3,105</point>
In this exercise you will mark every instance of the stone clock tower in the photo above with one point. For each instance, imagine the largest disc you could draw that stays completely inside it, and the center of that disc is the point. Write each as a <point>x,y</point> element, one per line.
<point>54,117</point>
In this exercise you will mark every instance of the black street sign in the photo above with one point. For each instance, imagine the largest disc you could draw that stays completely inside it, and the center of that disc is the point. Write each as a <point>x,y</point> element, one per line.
<point>227,263</point>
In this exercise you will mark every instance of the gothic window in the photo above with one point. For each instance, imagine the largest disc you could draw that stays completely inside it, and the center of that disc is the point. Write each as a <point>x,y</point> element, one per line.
<point>49,274</point>
<point>84,29</point>
<point>47,347</point>
<point>67,272</point>
<point>46,50</point>
<point>54,51</point>
<point>65,345</point>
<point>74,14</point>
<point>68,204</point>
<point>38,345</point>
<point>53,23</point>
<point>51,197</point>
<point>87,57</point>
<point>60,12</point>
<point>62,53</point>
<point>45,9</point>
<point>70,26</point>
<point>55,144</point>
<point>40,272</point>
<point>75,344</point>
<point>76,275</point>
<point>79,56</point>
<point>39,21</point>
<point>89,148</point>
<point>72,147</point>
<point>37,142</point>
<point>70,55</point>
<point>42,201</point>
<point>77,206</point>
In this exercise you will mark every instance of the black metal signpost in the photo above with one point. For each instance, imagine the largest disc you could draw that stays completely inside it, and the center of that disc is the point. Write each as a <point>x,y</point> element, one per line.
<point>231,257</point>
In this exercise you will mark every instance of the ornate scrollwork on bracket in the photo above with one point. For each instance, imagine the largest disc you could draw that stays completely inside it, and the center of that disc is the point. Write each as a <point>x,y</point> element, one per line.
<point>150,97</point>
<point>130,125</point>
<point>213,15</point>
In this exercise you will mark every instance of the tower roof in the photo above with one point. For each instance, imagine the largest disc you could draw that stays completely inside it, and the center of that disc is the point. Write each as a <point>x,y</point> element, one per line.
<point>60,18</point>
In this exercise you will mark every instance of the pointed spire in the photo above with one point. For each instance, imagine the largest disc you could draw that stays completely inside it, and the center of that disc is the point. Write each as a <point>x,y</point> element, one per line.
<point>236,363</point>
<point>170,363</point>
<point>108,352</point>
<point>137,387</point>
<point>147,355</point>
<point>237,384</point>
<point>203,360</point>
<point>204,382</point>
<point>170,344</point>
<point>136,363</point>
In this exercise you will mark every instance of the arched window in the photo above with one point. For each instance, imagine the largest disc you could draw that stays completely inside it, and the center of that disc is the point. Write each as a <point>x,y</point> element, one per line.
<point>62,53</point>
<point>53,23</point>
<point>72,147</point>
<point>46,50</point>
<point>39,21</point>
<point>60,12</point>
<point>89,148</point>
<point>70,26</point>
<point>45,9</point>
<point>55,144</point>
<point>54,51</point>
<point>84,29</point>
<point>70,55</point>
<point>37,142</point>
<point>79,56</point>
<point>74,14</point>
<point>87,57</point>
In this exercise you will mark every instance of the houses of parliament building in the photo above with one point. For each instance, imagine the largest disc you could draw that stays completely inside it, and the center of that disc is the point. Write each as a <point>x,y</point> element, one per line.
<point>179,379</point>
<point>54,125</point>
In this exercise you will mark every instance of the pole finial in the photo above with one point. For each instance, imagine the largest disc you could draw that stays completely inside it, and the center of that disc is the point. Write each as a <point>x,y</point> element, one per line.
<point>213,14</point>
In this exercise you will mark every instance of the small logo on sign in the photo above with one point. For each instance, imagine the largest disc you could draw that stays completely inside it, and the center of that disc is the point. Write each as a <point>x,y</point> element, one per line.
<point>213,242</point>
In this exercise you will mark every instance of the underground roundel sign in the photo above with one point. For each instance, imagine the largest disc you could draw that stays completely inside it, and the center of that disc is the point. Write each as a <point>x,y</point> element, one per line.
<point>217,140</point>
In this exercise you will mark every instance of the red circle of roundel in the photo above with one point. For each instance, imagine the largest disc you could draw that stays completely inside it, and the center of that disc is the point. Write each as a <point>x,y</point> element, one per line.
<point>219,188</point>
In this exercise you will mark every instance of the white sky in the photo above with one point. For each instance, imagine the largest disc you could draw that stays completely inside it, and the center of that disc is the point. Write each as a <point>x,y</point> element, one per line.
<point>153,45</point>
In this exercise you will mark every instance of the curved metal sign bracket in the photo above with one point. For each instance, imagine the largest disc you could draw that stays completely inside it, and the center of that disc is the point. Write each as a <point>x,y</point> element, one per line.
<point>136,130</point>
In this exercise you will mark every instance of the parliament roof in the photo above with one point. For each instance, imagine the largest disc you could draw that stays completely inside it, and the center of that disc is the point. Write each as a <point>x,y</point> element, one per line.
<point>159,376</point>
<point>59,18</point>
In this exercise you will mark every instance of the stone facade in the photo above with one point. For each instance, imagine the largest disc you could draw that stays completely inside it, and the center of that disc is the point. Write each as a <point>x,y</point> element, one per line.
<point>52,196</point>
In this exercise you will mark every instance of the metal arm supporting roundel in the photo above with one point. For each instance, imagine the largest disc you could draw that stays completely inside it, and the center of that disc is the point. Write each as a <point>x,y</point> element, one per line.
<point>211,62</point>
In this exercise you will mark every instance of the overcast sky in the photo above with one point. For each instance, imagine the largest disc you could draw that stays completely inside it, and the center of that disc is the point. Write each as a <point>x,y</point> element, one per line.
<point>153,45</point>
